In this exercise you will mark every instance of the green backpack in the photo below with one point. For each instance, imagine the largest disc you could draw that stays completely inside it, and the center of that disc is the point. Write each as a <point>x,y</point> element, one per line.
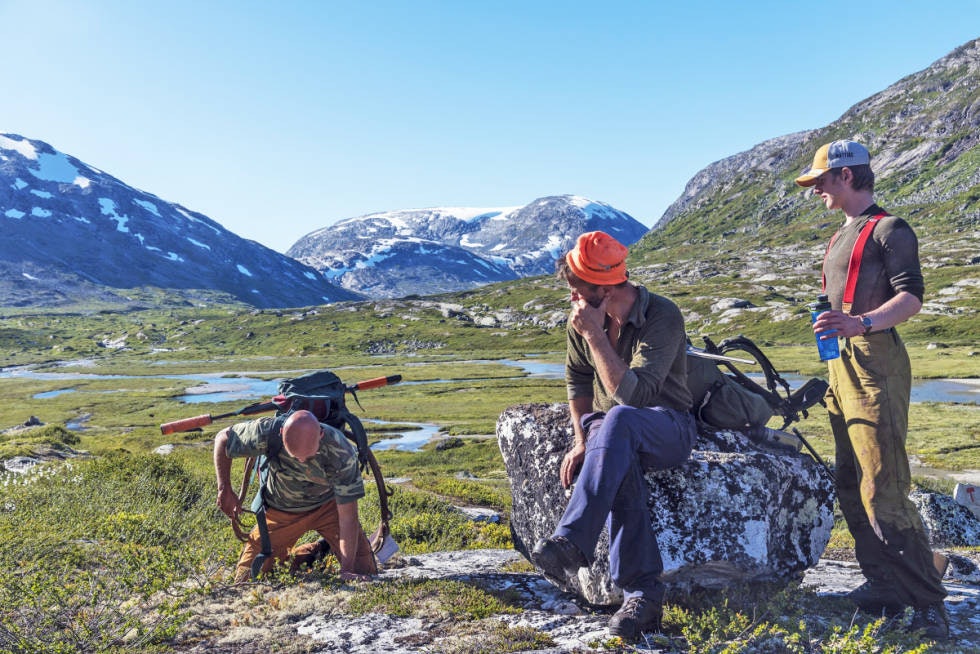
<point>732,400</point>
<point>720,401</point>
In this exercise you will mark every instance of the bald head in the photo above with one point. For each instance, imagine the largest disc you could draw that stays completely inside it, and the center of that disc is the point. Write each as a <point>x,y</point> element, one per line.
<point>301,435</point>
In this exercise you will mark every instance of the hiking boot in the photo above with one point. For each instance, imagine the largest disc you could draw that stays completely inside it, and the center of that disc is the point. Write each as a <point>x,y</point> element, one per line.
<point>636,615</point>
<point>876,597</point>
<point>558,558</point>
<point>932,620</point>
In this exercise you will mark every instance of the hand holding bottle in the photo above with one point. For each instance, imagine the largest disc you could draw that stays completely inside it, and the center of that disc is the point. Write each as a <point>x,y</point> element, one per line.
<point>827,345</point>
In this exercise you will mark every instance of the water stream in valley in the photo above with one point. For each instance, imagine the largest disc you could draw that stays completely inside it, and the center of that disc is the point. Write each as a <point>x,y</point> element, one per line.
<point>206,388</point>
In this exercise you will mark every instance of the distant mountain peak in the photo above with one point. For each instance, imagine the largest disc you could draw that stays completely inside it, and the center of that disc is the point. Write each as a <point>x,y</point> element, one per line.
<point>439,249</point>
<point>70,228</point>
<point>923,132</point>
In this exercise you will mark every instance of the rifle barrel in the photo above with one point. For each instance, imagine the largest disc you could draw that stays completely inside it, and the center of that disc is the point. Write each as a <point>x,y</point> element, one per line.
<point>696,352</point>
<point>196,422</point>
<point>377,382</point>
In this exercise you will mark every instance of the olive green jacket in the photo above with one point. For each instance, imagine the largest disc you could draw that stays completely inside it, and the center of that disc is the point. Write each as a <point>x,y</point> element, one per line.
<point>654,346</point>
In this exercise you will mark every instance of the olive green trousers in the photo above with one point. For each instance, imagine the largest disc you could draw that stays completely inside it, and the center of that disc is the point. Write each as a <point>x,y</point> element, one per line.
<point>868,403</point>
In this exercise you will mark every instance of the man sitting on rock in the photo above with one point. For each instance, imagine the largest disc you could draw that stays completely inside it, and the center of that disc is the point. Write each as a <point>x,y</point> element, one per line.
<point>626,374</point>
<point>314,483</point>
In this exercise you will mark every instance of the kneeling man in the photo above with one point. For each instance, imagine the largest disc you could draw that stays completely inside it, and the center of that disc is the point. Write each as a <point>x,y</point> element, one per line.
<point>313,484</point>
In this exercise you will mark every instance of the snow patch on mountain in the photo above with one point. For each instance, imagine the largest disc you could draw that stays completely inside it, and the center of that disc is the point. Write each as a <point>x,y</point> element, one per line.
<point>23,147</point>
<point>393,253</point>
<point>86,231</point>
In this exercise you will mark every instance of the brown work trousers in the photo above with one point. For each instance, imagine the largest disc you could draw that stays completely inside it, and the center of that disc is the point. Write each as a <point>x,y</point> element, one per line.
<point>286,528</point>
<point>868,403</point>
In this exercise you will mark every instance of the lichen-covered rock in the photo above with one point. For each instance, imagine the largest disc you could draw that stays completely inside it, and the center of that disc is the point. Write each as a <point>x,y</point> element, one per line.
<point>735,511</point>
<point>947,523</point>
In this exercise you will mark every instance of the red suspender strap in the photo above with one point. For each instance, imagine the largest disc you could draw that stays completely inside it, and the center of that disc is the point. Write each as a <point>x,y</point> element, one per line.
<point>854,265</point>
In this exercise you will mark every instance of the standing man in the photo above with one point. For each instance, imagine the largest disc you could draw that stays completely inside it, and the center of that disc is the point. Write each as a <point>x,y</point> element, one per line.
<point>626,374</point>
<point>874,282</point>
<point>313,484</point>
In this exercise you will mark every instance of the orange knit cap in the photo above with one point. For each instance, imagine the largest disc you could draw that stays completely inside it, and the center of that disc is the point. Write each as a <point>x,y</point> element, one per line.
<point>598,258</point>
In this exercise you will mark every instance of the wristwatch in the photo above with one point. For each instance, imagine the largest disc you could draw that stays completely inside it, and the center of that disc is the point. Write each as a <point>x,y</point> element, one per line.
<point>866,321</point>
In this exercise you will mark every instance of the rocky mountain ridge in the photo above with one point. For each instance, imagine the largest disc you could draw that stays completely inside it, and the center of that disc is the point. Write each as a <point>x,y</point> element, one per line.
<point>924,136</point>
<point>743,243</point>
<point>425,251</point>
<point>75,233</point>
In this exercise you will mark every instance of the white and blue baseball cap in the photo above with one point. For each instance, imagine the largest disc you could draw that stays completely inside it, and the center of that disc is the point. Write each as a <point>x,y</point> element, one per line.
<point>834,155</point>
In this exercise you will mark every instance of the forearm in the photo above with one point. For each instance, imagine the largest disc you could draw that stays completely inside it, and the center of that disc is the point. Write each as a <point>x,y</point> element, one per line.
<point>608,365</point>
<point>578,407</point>
<point>227,500</point>
<point>222,462</point>
<point>350,532</point>
<point>895,311</point>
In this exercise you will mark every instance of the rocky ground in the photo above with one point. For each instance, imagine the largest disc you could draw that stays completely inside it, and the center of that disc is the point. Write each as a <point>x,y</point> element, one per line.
<point>306,618</point>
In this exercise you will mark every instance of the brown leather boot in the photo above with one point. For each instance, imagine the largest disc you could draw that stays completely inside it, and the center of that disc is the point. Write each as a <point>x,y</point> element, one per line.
<point>932,620</point>
<point>638,614</point>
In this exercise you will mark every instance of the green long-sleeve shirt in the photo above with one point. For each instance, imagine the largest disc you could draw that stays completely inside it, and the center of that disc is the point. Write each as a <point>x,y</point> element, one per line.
<point>654,346</point>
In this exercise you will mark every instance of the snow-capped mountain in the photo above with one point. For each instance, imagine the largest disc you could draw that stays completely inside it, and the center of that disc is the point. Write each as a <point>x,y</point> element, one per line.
<point>425,251</point>
<point>71,231</point>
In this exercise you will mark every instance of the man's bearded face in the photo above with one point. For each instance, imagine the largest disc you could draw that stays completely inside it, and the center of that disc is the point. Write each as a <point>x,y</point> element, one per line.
<point>592,294</point>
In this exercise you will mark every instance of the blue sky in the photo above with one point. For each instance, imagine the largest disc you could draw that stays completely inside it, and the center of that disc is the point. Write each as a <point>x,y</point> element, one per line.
<point>278,118</point>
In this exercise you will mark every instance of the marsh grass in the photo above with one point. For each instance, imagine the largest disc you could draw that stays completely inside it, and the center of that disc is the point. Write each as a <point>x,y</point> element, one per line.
<point>423,522</point>
<point>50,439</point>
<point>89,542</point>
<point>468,492</point>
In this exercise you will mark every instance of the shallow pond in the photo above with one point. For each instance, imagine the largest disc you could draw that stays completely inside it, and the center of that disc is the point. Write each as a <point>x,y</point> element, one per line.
<point>219,387</point>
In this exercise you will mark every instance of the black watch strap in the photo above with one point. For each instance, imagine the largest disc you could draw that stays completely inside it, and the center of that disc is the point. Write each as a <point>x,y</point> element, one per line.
<point>868,324</point>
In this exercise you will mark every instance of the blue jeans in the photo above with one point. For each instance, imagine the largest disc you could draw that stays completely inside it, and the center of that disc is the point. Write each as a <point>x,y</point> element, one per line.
<point>611,488</point>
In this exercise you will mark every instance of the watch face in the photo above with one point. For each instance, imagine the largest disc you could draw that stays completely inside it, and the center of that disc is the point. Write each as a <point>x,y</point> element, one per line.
<point>866,321</point>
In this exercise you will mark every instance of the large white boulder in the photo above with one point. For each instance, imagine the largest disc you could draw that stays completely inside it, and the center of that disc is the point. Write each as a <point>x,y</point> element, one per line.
<point>735,511</point>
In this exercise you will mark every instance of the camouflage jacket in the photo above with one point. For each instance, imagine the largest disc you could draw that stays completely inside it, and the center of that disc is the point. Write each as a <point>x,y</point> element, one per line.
<point>299,487</point>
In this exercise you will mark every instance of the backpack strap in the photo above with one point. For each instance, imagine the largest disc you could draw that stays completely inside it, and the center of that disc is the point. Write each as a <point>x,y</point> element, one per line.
<point>261,472</point>
<point>367,458</point>
<point>777,393</point>
<point>742,343</point>
<point>698,410</point>
<point>854,263</point>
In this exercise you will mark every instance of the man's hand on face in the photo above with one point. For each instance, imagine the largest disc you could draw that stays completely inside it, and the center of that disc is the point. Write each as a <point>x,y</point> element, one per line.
<point>585,318</point>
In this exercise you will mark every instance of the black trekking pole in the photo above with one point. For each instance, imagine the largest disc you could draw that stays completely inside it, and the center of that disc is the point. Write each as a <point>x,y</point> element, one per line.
<point>830,473</point>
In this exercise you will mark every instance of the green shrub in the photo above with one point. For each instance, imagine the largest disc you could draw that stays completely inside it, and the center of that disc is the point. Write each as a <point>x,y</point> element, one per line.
<point>88,544</point>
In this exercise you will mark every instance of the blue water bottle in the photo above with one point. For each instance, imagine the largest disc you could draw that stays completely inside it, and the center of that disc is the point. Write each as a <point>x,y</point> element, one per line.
<point>828,348</point>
